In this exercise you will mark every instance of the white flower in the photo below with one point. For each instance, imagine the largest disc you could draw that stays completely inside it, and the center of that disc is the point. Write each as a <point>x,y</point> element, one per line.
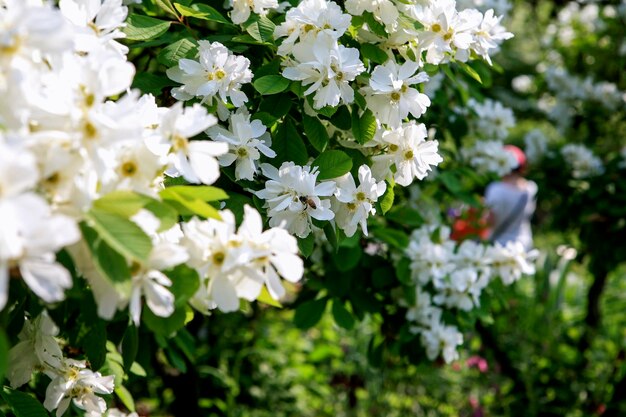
<point>309,19</point>
<point>489,34</point>
<point>447,32</point>
<point>275,253</point>
<point>442,339</point>
<point>383,10</point>
<point>73,382</point>
<point>30,234</point>
<point>355,204</point>
<point>194,160</point>
<point>246,141</point>
<point>236,265</point>
<point>509,262</point>
<point>390,95</point>
<point>328,68</point>
<point>97,22</point>
<point>29,32</point>
<point>292,197</point>
<point>490,156</point>
<point>37,347</point>
<point>242,8</point>
<point>493,119</point>
<point>410,152</point>
<point>582,161</point>
<point>218,73</point>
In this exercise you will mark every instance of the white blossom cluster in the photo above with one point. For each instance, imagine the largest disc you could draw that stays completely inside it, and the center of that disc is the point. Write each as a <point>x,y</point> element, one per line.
<point>572,89</point>
<point>582,161</point>
<point>332,74</point>
<point>573,19</point>
<point>490,156</point>
<point>217,74</point>
<point>456,275</point>
<point>38,350</point>
<point>493,120</point>
<point>235,264</point>
<point>294,198</point>
<point>65,143</point>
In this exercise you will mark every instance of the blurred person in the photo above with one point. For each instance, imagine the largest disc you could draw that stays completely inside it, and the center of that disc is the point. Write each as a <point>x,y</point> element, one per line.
<point>512,202</point>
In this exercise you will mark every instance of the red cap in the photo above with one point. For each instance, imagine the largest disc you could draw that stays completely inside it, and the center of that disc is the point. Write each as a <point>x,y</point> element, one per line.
<point>519,155</point>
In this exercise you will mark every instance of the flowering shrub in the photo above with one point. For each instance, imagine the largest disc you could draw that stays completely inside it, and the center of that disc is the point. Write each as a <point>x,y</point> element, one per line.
<point>161,161</point>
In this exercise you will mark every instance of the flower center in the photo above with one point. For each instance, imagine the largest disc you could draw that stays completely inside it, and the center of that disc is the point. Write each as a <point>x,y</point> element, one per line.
<point>179,143</point>
<point>393,147</point>
<point>360,196</point>
<point>128,168</point>
<point>242,152</point>
<point>408,154</point>
<point>436,27</point>
<point>218,258</point>
<point>90,130</point>
<point>395,96</point>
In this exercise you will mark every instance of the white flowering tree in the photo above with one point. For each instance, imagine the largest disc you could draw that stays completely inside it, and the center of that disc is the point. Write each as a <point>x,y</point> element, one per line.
<point>165,161</point>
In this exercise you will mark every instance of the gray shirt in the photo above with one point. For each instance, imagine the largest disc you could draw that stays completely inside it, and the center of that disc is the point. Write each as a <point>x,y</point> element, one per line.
<point>502,198</point>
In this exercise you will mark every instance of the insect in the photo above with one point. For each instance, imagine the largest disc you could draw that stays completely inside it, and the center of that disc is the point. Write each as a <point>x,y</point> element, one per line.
<point>308,201</point>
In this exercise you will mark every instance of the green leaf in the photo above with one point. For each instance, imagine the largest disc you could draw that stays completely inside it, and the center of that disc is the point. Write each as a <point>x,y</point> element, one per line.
<point>405,215</point>
<point>200,192</point>
<point>125,397</point>
<point>128,203</point>
<point>165,326</point>
<point>276,105</point>
<point>331,236</point>
<point>374,53</point>
<point>121,234</point>
<point>342,316</point>
<point>142,28</point>
<point>451,181</point>
<point>262,29</point>
<point>130,346</point>
<point>347,258</point>
<point>185,283</point>
<point>167,6</point>
<point>122,203</point>
<point>375,351</point>
<point>271,84</point>
<point>332,164</point>
<point>4,354</point>
<point>374,25</point>
<point>363,127</point>
<point>386,202</point>
<point>22,404</point>
<point>151,83</point>
<point>470,71</point>
<point>395,238</point>
<point>309,313</point>
<point>188,199</point>
<point>342,118</point>
<point>266,298</point>
<point>327,111</point>
<point>403,272</point>
<point>93,338</point>
<point>306,245</point>
<point>202,11</point>
<point>109,263</point>
<point>288,145</point>
<point>315,132</point>
<point>171,54</point>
